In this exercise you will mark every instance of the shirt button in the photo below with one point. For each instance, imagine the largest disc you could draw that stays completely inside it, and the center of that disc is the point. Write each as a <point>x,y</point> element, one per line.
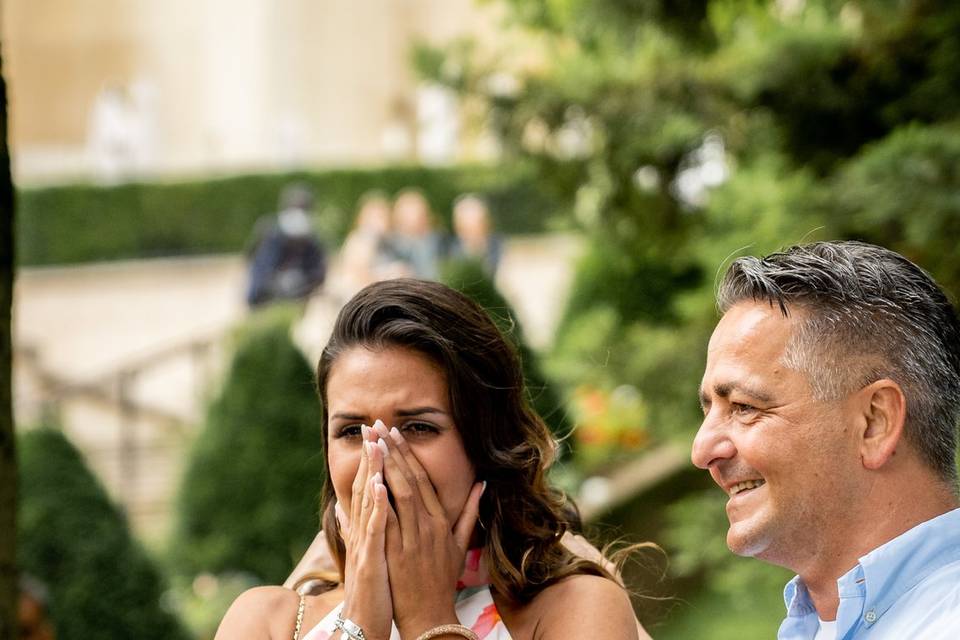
<point>870,616</point>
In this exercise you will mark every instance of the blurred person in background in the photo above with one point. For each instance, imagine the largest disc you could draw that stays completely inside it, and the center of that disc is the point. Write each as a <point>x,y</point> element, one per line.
<point>473,236</point>
<point>439,517</point>
<point>33,611</point>
<point>287,261</point>
<point>364,255</point>
<point>831,398</point>
<point>415,246</point>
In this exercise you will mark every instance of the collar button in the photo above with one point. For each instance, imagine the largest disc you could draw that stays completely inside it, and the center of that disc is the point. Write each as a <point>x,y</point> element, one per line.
<point>870,616</point>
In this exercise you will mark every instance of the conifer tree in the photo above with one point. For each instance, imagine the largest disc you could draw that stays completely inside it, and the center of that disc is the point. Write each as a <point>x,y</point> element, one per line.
<point>72,538</point>
<point>248,501</point>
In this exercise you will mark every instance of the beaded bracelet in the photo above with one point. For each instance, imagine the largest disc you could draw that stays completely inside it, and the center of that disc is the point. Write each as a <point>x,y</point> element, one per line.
<point>445,629</point>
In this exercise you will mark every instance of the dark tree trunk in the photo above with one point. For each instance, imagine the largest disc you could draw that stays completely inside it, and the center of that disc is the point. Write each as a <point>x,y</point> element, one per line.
<point>8,461</point>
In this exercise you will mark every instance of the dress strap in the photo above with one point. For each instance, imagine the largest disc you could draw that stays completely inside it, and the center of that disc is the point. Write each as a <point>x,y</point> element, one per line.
<point>303,602</point>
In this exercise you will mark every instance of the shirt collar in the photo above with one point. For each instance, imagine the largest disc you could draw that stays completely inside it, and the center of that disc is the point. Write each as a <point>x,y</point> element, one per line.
<point>890,570</point>
<point>797,599</point>
<point>894,568</point>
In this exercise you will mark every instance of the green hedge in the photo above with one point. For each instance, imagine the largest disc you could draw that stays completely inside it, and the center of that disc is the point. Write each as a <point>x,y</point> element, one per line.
<point>249,498</point>
<point>72,537</point>
<point>85,223</point>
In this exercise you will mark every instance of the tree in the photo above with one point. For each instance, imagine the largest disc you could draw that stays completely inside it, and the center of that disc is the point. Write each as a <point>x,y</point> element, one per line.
<point>8,462</point>
<point>683,133</point>
<point>469,277</point>
<point>75,540</point>
<point>249,498</point>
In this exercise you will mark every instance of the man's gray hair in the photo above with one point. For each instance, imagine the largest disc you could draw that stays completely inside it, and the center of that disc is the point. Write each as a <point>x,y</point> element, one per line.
<point>869,313</point>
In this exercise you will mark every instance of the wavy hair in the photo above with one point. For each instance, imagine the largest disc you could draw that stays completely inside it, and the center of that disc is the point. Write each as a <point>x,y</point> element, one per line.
<point>523,517</point>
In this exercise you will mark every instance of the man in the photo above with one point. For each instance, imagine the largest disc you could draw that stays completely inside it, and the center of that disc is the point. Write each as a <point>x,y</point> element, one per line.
<point>286,260</point>
<point>473,239</point>
<point>831,397</point>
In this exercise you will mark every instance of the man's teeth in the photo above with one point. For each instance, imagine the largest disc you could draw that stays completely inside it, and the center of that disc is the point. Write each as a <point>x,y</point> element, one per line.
<point>746,484</point>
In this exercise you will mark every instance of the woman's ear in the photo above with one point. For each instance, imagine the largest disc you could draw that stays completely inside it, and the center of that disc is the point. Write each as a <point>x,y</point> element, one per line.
<point>884,411</point>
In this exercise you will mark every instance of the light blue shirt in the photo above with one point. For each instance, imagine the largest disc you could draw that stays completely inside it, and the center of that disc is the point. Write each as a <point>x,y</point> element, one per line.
<point>907,588</point>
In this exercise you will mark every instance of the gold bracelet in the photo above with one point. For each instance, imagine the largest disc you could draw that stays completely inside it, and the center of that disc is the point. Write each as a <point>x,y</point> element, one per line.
<point>445,629</point>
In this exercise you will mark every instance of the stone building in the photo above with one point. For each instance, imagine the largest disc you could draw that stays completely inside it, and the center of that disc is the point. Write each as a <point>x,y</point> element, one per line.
<point>119,89</point>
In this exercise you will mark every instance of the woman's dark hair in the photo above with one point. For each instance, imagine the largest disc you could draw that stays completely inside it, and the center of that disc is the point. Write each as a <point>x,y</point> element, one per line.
<point>508,444</point>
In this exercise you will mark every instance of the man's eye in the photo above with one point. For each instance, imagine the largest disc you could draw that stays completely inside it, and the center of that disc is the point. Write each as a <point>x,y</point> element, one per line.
<point>740,408</point>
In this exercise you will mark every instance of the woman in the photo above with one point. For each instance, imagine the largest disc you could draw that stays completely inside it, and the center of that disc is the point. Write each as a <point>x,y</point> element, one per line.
<point>363,257</point>
<point>439,514</point>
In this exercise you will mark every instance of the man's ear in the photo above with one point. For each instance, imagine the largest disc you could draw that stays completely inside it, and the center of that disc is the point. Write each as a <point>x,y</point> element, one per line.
<point>884,411</point>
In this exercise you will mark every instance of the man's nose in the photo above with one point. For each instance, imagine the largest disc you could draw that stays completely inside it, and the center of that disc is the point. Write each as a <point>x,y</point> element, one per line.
<point>712,443</point>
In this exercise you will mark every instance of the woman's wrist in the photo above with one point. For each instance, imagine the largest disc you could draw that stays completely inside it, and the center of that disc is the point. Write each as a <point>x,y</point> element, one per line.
<point>448,632</point>
<point>360,618</point>
<point>414,628</point>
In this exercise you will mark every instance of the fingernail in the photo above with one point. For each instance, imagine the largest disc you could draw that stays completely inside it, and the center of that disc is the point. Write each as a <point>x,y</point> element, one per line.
<point>483,488</point>
<point>370,447</point>
<point>365,432</point>
<point>395,434</point>
<point>383,447</point>
<point>376,479</point>
<point>380,428</point>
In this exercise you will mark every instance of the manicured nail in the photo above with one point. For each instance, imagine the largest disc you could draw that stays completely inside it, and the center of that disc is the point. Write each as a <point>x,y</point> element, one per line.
<point>364,432</point>
<point>383,447</point>
<point>395,434</point>
<point>380,428</point>
<point>483,488</point>
<point>370,447</point>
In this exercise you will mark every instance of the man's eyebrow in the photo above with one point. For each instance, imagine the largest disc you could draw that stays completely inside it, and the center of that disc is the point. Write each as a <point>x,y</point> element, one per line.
<point>418,411</point>
<point>724,390</point>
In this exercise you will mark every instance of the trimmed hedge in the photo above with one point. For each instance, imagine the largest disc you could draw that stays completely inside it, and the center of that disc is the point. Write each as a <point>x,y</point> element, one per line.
<point>71,536</point>
<point>249,498</point>
<point>86,223</point>
<point>469,278</point>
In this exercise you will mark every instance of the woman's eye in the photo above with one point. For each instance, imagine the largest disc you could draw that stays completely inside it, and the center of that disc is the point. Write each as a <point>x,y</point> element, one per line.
<point>419,428</point>
<point>349,431</point>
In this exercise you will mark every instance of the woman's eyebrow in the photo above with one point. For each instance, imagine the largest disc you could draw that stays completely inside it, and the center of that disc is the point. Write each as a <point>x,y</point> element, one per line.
<point>418,411</point>
<point>342,415</point>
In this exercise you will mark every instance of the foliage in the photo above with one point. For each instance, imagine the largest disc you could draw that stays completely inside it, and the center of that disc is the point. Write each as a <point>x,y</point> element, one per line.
<point>468,277</point>
<point>688,133</point>
<point>74,539</point>
<point>202,601</point>
<point>249,496</point>
<point>83,223</point>
<point>611,426</point>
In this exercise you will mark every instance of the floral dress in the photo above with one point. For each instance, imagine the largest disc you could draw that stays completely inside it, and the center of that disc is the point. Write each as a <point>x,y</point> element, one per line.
<point>475,607</point>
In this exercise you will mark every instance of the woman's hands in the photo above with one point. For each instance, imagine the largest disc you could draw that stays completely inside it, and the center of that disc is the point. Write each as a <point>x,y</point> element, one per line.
<point>424,550</point>
<point>367,600</point>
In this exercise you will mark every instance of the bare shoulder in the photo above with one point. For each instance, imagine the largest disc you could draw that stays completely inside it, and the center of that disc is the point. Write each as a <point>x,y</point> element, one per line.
<point>585,606</point>
<point>260,613</point>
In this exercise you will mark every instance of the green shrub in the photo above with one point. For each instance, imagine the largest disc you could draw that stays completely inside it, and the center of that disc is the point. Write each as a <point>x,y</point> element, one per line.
<point>84,223</point>
<point>70,536</point>
<point>249,497</point>
<point>468,277</point>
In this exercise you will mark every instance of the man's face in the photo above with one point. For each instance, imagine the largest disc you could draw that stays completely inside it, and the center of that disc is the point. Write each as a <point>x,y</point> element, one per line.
<point>788,462</point>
